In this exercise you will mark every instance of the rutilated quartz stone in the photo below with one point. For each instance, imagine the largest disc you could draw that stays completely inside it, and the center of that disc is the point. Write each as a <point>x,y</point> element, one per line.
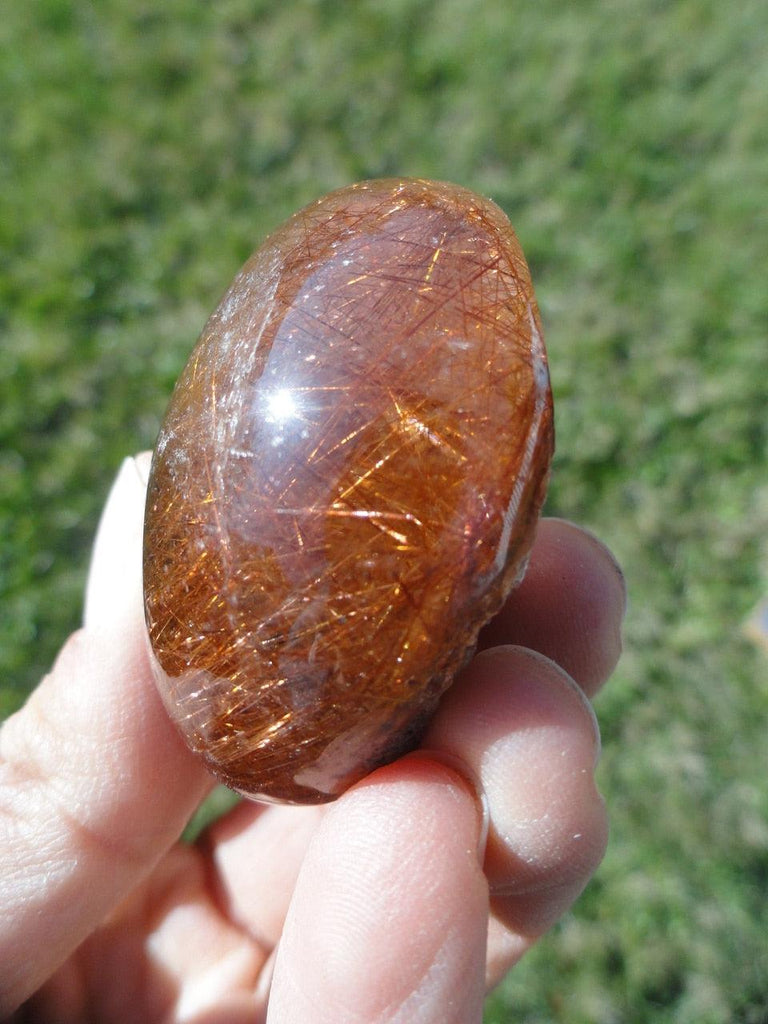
<point>346,485</point>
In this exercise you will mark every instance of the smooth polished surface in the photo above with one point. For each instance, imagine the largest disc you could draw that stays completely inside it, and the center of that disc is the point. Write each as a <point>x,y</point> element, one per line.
<point>346,485</point>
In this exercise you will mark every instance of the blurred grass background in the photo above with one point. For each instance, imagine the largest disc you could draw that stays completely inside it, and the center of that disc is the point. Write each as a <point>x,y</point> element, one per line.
<point>145,149</point>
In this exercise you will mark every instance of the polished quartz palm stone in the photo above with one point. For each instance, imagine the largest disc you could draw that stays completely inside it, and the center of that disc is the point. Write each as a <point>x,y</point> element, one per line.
<point>346,485</point>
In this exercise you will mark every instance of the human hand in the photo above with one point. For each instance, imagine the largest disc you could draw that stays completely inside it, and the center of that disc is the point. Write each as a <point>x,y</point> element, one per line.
<point>374,908</point>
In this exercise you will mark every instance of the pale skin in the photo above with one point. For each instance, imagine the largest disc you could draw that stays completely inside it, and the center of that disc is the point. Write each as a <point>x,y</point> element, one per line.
<point>403,901</point>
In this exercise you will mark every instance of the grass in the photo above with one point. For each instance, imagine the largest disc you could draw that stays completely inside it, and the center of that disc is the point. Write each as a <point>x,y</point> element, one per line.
<point>145,150</point>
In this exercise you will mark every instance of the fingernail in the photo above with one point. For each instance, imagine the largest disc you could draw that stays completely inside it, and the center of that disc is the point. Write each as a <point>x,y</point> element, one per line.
<point>116,556</point>
<point>574,688</point>
<point>142,463</point>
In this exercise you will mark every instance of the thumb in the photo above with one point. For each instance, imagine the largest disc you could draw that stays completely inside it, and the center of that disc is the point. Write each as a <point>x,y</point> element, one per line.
<point>95,784</point>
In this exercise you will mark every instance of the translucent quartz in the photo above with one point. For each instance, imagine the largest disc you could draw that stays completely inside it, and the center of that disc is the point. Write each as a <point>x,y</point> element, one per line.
<point>346,485</point>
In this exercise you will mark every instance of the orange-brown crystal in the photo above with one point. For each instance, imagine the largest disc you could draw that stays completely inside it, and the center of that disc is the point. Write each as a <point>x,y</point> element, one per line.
<point>346,485</point>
